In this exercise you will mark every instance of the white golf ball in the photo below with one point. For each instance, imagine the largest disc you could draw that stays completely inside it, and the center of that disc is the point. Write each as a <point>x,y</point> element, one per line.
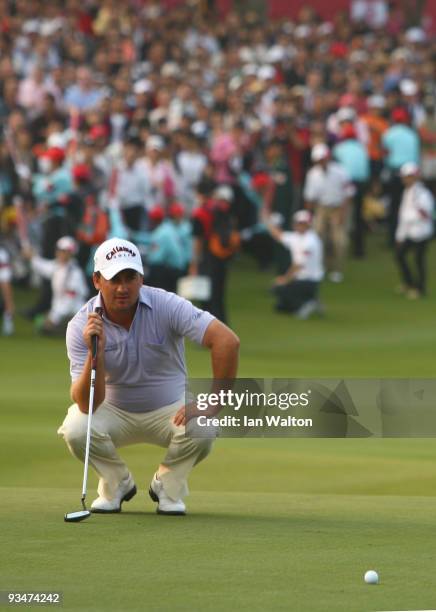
<point>371,577</point>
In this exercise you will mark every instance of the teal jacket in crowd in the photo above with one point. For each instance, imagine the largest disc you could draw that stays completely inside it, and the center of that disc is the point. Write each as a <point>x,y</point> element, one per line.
<point>49,188</point>
<point>352,155</point>
<point>164,248</point>
<point>402,145</point>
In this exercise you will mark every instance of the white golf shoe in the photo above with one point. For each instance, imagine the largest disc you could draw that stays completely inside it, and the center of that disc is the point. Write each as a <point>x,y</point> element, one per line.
<point>126,490</point>
<point>166,505</point>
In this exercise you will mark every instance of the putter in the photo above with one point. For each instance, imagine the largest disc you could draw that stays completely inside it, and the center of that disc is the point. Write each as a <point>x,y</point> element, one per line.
<point>81,515</point>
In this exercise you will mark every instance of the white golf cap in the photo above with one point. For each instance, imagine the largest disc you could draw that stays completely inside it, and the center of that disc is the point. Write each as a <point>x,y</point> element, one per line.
<point>358,56</point>
<point>409,169</point>
<point>302,216</point>
<point>223,192</point>
<point>376,101</point>
<point>249,70</point>
<point>155,142</point>
<point>266,72</point>
<point>57,139</point>
<point>275,54</point>
<point>247,55</point>
<point>325,28</point>
<point>415,35</point>
<point>346,113</point>
<point>199,129</point>
<point>319,151</point>
<point>408,87</point>
<point>170,69</point>
<point>401,53</point>
<point>115,255</point>
<point>302,31</point>
<point>66,243</point>
<point>142,86</point>
<point>235,83</point>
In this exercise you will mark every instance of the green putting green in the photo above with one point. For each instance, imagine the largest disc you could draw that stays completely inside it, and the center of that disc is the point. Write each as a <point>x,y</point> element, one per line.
<point>274,524</point>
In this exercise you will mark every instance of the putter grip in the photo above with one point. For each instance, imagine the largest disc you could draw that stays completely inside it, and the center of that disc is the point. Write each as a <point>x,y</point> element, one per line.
<point>94,339</point>
<point>94,344</point>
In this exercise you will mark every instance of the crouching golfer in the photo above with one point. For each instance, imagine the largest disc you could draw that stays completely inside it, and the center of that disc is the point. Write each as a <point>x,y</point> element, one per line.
<point>140,381</point>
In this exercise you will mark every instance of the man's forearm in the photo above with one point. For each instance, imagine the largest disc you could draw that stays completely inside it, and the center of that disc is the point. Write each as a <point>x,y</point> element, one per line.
<point>225,357</point>
<point>80,387</point>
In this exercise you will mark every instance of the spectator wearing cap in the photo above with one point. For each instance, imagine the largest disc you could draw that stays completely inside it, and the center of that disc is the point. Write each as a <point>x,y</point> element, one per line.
<point>54,179</point>
<point>414,230</point>
<point>69,286</point>
<point>344,116</point>
<point>327,192</point>
<point>401,144</point>
<point>132,190</point>
<point>410,92</point>
<point>52,187</point>
<point>352,156</point>
<point>143,99</point>
<point>376,126</point>
<point>297,290</point>
<point>215,242</point>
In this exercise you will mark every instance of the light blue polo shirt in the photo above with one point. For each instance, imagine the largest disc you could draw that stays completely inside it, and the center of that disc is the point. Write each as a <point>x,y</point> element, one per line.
<point>402,145</point>
<point>352,155</point>
<point>145,366</point>
<point>165,247</point>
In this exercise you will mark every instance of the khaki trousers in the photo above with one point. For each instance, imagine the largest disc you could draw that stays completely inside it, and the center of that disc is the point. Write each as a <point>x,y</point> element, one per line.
<point>332,229</point>
<point>112,428</point>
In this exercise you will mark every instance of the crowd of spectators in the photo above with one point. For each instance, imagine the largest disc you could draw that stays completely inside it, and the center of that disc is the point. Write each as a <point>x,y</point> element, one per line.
<point>126,119</point>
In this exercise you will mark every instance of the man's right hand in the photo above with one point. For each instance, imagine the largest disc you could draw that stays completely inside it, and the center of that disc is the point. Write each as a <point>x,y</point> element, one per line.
<point>94,327</point>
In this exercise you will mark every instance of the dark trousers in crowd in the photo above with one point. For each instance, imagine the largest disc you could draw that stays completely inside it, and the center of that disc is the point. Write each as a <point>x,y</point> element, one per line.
<point>359,227</point>
<point>134,217</point>
<point>261,247</point>
<point>417,280</point>
<point>292,296</point>
<point>217,270</point>
<point>395,193</point>
<point>163,277</point>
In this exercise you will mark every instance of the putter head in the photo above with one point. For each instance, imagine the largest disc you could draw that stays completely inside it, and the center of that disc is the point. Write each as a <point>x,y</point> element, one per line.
<point>75,517</point>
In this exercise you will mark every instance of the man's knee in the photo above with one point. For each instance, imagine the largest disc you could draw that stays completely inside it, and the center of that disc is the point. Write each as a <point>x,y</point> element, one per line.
<point>73,430</point>
<point>203,447</point>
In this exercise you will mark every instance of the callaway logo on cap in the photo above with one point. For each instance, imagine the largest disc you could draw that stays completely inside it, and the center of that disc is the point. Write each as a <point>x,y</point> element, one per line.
<point>115,255</point>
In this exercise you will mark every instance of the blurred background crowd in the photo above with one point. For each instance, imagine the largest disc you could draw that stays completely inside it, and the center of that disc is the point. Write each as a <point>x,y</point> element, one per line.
<point>197,132</point>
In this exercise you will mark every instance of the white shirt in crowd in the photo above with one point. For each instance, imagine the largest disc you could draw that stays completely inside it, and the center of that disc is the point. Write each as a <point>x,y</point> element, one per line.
<point>68,284</point>
<point>329,186</point>
<point>415,217</point>
<point>190,165</point>
<point>132,186</point>
<point>5,266</point>
<point>306,251</point>
<point>161,180</point>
